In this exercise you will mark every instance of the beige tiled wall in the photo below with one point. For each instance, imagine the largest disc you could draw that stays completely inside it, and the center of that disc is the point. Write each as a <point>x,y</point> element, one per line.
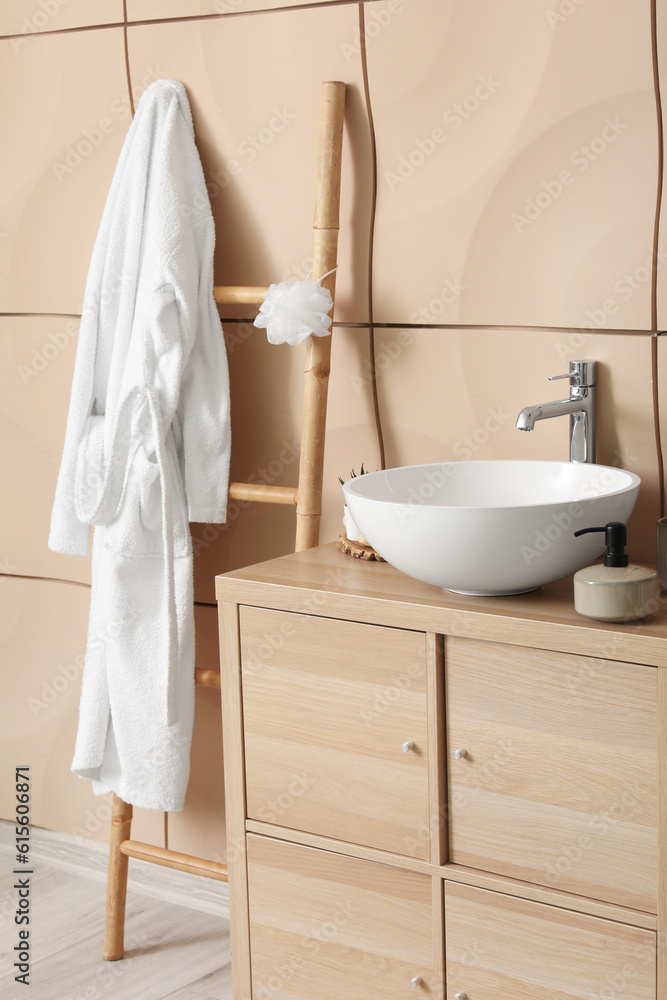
<point>65,124</point>
<point>517,161</point>
<point>517,192</point>
<point>152,10</point>
<point>42,645</point>
<point>36,364</point>
<point>23,18</point>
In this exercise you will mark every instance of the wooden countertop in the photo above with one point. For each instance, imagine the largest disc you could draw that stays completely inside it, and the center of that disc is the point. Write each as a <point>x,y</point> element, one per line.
<point>325,582</point>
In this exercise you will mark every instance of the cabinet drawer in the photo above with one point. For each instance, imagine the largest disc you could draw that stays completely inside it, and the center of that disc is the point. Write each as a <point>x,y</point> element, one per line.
<point>499,946</point>
<point>559,781</point>
<point>327,706</point>
<point>327,927</point>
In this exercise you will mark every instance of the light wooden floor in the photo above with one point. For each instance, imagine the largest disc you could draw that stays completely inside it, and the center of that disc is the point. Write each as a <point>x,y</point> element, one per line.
<point>176,931</point>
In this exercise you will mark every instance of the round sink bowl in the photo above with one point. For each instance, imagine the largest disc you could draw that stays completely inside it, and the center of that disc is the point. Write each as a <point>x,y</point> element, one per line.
<point>490,528</point>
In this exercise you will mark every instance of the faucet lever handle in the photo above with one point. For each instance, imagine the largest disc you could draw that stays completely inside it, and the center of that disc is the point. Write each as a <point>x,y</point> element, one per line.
<point>581,374</point>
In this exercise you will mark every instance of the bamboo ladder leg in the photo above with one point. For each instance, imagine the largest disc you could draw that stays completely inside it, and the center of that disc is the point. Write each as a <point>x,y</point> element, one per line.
<point>318,354</point>
<point>114,919</point>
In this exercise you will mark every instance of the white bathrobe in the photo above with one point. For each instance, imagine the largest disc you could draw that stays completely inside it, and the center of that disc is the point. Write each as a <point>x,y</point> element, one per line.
<point>146,450</point>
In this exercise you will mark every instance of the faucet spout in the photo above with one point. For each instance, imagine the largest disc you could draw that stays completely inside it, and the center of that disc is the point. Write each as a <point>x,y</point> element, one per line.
<point>580,406</point>
<point>542,411</point>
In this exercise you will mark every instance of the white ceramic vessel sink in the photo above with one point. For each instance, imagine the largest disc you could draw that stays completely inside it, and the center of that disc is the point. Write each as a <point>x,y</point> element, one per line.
<point>496,527</point>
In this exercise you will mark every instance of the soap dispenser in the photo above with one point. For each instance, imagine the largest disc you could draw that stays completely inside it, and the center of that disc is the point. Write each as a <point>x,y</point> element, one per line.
<point>615,591</point>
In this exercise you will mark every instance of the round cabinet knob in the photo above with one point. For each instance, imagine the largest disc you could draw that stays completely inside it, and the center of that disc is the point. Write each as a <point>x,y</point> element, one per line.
<point>406,747</point>
<point>417,981</point>
<point>460,996</point>
<point>457,756</point>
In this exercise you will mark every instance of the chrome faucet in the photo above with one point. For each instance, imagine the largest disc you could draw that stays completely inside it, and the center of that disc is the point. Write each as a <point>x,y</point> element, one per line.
<point>580,405</point>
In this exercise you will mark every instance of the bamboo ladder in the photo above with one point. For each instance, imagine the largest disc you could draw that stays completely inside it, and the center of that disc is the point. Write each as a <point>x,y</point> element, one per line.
<point>306,497</point>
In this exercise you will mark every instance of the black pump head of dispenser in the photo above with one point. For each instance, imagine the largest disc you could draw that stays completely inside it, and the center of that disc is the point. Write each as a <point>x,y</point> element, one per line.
<point>615,538</point>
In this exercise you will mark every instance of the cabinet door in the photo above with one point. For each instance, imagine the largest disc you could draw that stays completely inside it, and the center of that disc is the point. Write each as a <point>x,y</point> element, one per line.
<point>499,946</point>
<point>327,707</point>
<point>327,927</point>
<point>558,784</point>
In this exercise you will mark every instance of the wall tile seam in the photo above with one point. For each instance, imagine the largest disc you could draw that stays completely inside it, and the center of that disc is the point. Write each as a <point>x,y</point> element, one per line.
<point>285,8</point>
<point>657,94</point>
<point>398,325</point>
<point>370,273</point>
<point>75,29</point>
<point>223,319</point>
<point>182,18</point>
<point>126,53</point>
<point>44,579</point>
<point>518,328</point>
<point>655,366</point>
<point>337,323</point>
<point>39,315</point>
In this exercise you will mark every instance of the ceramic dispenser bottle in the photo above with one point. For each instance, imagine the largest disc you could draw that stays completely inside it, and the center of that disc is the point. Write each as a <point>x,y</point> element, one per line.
<point>615,591</point>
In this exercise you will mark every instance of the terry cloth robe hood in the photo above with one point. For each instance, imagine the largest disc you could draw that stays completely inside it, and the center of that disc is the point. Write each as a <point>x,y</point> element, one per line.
<point>146,450</point>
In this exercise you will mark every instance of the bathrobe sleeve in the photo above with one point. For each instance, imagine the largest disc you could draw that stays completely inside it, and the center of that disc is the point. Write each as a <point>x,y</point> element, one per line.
<point>185,329</point>
<point>205,420</point>
<point>204,400</point>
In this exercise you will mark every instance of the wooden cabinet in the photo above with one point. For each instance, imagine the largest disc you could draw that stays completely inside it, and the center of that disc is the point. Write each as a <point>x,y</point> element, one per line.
<point>437,795</point>
<point>324,926</point>
<point>327,708</point>
<point>559,779</point>
<point>500,946</point>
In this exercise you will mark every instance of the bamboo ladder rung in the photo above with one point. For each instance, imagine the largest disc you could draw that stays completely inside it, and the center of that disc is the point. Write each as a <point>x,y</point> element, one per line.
<point>239,295</point>
<point>263,494</point>
<point>207,678</point>
<point>172,859</point>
